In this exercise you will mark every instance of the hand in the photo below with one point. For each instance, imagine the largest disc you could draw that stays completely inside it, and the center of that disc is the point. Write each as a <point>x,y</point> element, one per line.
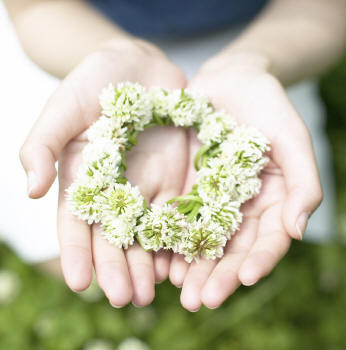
<point>157,165</point>
<point>291,188</point>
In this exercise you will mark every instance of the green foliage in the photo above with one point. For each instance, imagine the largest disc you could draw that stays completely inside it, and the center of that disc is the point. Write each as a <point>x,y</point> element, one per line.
<point>333,93</point>
<point>300,306</point>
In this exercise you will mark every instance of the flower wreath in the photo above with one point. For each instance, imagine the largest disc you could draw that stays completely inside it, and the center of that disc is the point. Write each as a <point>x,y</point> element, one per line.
<point>197,224</point>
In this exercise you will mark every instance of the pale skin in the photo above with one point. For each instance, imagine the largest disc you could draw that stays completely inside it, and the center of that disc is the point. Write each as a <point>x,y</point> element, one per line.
<point>246,79</point>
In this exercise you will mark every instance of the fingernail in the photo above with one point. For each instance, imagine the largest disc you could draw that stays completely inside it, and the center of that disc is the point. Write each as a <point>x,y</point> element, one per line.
<point>32,181</point>
<point>195,310</point>
<point>137,306</point>
<point>115,306</point>
<point>213,307</point>
<point>301,224</point>
<point>248,283</point>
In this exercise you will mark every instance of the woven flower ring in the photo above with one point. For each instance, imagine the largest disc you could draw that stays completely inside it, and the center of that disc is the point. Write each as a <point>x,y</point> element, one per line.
<point>197,224</point>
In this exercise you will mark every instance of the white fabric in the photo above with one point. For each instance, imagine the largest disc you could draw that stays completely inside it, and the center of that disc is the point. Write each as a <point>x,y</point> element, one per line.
<point>29,226</point>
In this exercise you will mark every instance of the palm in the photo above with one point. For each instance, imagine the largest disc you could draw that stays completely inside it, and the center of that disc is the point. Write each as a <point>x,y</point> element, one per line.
<point>157,165</point>
<point>256,99</point>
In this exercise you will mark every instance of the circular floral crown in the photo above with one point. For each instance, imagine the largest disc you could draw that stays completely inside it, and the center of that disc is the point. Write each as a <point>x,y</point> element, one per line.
<point>197,224</point>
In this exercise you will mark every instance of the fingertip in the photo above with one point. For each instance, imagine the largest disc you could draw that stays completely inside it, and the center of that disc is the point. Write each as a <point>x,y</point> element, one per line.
<point>248,274</point>
<point>40,169</point>
<point>115,285</point>
<point>189,300</point>
<point>76,282</point>
<point>161,266</point>
<point>141,299</point>
<point>210,295</point>
<point>118,298</point>
<point>178,270</point>
<point>77,269</point>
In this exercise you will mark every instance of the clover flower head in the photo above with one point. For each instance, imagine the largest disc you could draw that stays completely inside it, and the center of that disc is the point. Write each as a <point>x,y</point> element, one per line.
<point>205,239</point>
<point>83,199</point>
<point>161,227</point>
<point>248,189</point>
<point>227,215</point>
<point>216,182</point>
<point>161,101</point>
<point>128,103</point>
<point>119,231</point>
<point>244,149</point>
<point>188,107</point>
<point>122,200</point>
<point>247,143</point>
<point>215,127</point>
<point>102,156</point>
<point>107,128</point>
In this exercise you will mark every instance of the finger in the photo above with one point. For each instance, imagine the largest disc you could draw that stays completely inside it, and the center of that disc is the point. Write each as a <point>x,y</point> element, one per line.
<point>162,259</point>
<point>141,270</point>
<point>75,247</point>
<point>223,280</point>
<point>271,245</point>
<point>304,193</point>
<point>60,121</point>
<point>111,270</point>
<point>74,234</point>
<point>194,281</point>
<point>178,270</point>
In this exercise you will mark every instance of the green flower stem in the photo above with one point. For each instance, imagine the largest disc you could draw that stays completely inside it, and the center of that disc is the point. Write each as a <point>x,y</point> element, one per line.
<point>200,154</point>
<point>186,197</point>
<point>121,180</point>
<point>141,243</point>
<point>184,209</point>
<point>194,212</point>
<point>132,139</point>
<point>123,162</point>
<point>158,120</point>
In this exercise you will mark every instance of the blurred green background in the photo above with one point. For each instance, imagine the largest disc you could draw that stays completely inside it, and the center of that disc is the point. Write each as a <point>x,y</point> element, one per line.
<point>301,305</point>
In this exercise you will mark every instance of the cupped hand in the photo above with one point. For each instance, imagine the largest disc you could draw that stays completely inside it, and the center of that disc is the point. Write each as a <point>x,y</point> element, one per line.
<point>291,188</point>
<point>157,165</point>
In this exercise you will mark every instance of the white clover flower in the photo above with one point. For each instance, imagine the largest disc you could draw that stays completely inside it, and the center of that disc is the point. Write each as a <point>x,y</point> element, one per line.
<point>128,102</point>
<point>102,156</point>
<point>119,230</point>
<point>248,189</point>
<point>161,227</point>
<point>215,127</point>
<point>109,128</point>
<point>205,239</point>
<point>216,182</point>
<point>83,199</point>
<point>247,143</point>
<point>188,107</point>
<point>161,101</point>
<point>122,200</point>
<point>226,215</point>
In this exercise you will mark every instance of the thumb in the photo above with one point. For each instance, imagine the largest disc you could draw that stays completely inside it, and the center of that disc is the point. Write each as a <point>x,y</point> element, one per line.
<point>60,121</point>
<point>304,191</point>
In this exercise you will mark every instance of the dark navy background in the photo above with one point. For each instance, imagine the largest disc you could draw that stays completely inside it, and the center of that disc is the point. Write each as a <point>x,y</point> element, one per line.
<point>162,17</point>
